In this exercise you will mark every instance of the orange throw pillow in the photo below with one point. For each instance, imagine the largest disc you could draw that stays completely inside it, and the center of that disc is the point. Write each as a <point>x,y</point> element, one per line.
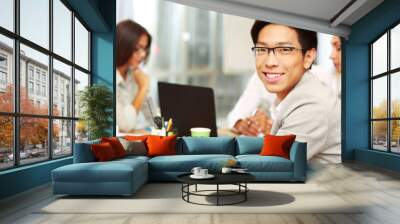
<point>275,145</point>
<point>161,145</point>
<point>116,145</point>
<point>103,152</point>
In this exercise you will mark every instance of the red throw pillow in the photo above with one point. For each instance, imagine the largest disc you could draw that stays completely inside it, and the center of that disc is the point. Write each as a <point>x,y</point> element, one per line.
<point>275,145</point>
<point>116,145</point>
<point>161,145</point>
<point>103,151</point>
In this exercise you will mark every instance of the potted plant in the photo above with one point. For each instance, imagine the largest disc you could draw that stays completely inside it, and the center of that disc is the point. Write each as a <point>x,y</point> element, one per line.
<point>96,103</point>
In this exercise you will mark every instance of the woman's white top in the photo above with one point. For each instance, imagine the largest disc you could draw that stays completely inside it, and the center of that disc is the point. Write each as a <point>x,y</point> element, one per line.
<point>128,118</point>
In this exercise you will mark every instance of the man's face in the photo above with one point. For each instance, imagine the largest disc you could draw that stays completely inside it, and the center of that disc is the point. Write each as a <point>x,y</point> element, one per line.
<point>281,72</point>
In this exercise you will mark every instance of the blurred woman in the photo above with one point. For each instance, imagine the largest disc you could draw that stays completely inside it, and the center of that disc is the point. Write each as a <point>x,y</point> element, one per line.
<point>336,57</point>
<point>133,48</point>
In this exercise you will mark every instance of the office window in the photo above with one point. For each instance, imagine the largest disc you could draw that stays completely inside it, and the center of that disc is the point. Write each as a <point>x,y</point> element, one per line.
<point>33,140</point>
<point>62,137</point>
<point>62,29</point>
<point>379,56</point>
<point>35,21</point>
<point>62,74</point>
<point>6,142</point>
<point>7,14</point>
<point>81,45</point>
<point>395,47</point>
<point>7,73</point>
<point>40,63</point>
<point>385,92</point>
<point>81,81</point>
<point>45,131</point>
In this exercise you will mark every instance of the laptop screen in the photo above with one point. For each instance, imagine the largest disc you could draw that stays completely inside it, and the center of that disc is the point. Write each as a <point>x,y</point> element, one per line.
<point>188,106</point>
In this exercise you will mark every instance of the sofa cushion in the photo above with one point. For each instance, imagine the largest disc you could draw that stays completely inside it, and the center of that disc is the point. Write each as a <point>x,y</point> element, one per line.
<point>83,152</point>
<point>134,147</point>
<point>112,171</point>
<point>116,145</point>
<point>275,145</point>
<point>257,163</point>
<point>185,163</point>
<point>130,158</point>
<point>161,145</point>
<point>249,145</point>
<point>211,145</point>
<point>103,152</point>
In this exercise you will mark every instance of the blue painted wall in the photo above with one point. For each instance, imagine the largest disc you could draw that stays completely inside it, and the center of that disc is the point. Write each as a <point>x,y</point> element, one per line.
<point>103,51</point>
<point>99,15</point>
<point>356,84</point>
<point>24,178</point>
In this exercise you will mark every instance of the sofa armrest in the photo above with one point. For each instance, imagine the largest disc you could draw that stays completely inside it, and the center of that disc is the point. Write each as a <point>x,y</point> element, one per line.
<point>83,152</point>
<point>298,155</point>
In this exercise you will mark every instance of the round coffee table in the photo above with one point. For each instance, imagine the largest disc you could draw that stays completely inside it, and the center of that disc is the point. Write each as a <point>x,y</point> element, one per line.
<point>238,179</point>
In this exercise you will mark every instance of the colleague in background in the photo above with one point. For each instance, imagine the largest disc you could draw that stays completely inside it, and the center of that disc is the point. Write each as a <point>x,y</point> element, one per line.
<point>336,57</point>
<point>133,48</point>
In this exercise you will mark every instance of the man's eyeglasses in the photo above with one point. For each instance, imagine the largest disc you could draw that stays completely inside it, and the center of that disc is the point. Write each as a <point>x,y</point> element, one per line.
<point>278,51</point>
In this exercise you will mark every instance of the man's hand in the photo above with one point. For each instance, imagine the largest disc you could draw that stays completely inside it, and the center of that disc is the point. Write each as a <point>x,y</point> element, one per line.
<point>260,123</point>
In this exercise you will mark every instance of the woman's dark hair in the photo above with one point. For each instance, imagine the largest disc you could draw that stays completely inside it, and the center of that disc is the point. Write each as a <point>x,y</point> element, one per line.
<point>307,39</point>
<point>127,35</point>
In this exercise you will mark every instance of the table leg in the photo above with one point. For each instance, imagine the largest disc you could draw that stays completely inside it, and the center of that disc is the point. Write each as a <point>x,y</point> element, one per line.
<point>188,189</point>
<point>196,188</point>
<point>217,194</point>
<point>182,189</point>
<point>245,193</point>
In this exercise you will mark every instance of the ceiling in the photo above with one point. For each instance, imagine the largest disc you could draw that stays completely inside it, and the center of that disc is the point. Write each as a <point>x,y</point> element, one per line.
<point>327,16</point>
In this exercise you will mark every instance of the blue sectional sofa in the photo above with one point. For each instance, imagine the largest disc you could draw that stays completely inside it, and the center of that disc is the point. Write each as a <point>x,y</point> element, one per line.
<point>125,176</point>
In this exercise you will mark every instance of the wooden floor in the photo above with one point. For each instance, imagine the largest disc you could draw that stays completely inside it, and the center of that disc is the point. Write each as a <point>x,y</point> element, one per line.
<point>378,188</point>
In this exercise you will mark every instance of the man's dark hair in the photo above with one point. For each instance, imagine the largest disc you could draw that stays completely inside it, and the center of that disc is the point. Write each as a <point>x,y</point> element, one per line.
<point>127,37</point>
<point>307,39</point>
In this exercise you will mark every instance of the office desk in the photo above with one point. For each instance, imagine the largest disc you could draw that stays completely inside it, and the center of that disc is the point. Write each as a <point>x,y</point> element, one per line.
<point>225,132</point>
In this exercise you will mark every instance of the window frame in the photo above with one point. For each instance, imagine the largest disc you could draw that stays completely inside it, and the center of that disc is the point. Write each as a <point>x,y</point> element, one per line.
<point>388,74</point>
<point>16,115</point>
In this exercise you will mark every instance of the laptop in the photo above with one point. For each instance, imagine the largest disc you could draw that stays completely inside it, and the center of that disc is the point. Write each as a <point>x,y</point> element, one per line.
<point>188,106</point>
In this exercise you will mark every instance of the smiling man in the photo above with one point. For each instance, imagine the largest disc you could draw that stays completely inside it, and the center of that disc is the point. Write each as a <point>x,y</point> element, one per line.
<point>303,105</point>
